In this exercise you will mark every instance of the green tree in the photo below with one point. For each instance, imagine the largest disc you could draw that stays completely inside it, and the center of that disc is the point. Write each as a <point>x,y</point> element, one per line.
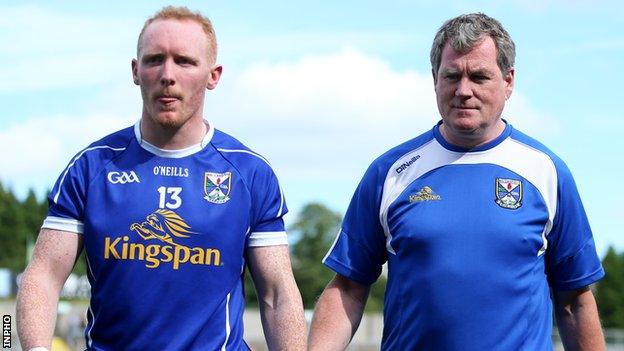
<point>34,212</point>
<point>12,231</point>
<point>610,290</point>
<point>376,295</point>
<point>317,227</point>
<point>251,298</point>
<point>20,222</point>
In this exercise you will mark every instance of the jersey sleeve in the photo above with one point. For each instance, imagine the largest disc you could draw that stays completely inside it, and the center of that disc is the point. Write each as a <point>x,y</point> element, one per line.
<point>268,209</point>
<point>358,252</point>
<point>67,199</point>
<point>571,259</point>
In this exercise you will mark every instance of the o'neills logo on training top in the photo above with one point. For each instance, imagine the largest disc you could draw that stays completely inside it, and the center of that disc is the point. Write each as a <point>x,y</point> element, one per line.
<point>403,166</point>
<point>165,227</point>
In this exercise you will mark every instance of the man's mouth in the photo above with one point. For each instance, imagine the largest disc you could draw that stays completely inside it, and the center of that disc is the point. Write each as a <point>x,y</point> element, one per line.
<point>166,99</point>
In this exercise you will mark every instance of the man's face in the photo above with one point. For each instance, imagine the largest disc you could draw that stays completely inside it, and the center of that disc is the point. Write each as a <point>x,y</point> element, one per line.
<point>173,71</point>
<point>471,92</point>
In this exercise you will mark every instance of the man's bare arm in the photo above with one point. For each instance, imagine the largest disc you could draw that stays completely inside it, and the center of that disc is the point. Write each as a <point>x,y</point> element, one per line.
<point>280,301</point>
<point>337,314</point>
<point>578,321</point>
<point>53,258</point>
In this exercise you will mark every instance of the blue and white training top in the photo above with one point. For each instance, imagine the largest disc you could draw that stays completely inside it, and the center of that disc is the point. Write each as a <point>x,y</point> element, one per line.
<point>473,238</point>
<point>165,234</point>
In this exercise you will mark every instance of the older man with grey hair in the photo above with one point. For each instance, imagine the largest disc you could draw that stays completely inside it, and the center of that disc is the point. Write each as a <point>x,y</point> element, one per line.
<point>476,220</point>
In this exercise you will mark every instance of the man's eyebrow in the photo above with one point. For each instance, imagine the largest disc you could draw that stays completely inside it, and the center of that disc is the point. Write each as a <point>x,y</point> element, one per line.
<point>449,70</point>
<point>151,56</point>
<point>186,57</point>
<point>480,70</point>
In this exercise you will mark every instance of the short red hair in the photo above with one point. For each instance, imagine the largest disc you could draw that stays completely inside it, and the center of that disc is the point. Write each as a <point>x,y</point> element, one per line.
<point>182,13</point>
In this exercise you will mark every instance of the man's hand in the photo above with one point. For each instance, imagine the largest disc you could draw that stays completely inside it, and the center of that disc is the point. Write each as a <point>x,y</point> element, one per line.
<point>281,308</point>
<point>578,321</point>
<point>53,258</point>
<point>337,314</point>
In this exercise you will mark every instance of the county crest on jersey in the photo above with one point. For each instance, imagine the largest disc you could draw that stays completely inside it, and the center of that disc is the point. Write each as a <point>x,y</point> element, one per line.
<point>217,187</point>
<point>509,193</point>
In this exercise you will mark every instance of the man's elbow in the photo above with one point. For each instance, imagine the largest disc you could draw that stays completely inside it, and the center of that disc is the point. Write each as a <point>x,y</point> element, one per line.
<point>280,294</point>
<point>39,279</point>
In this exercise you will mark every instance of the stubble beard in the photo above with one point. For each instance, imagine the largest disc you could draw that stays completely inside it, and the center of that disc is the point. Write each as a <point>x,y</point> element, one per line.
<point>168,119</point>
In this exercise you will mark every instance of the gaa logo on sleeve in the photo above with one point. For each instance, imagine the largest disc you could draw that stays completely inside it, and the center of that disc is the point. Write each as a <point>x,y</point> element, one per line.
<point>122,177</point>
<point>217,187</point>
<point>508,193</point>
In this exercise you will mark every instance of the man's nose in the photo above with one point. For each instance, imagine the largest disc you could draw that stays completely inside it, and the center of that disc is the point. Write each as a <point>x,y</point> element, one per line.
<point>167,76</point>
<point>464,88</point>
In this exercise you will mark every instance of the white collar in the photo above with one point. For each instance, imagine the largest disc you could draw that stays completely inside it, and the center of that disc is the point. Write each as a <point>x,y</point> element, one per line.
<point>179,153</point>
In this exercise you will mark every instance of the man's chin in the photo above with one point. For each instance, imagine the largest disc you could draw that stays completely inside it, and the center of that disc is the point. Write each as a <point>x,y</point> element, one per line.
<point>168,120</point>
<point>475,123</point>
<point>463,125</point>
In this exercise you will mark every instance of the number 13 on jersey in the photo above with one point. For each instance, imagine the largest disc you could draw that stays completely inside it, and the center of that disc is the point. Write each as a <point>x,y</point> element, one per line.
<point>170,197</point>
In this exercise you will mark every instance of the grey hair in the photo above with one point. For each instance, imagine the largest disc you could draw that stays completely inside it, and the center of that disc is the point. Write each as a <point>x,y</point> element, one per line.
<point>465,31</point>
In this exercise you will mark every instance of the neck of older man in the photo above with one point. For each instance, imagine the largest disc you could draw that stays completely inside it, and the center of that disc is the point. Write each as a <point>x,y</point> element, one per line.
<point>190,133</point>
<point>472,138</point>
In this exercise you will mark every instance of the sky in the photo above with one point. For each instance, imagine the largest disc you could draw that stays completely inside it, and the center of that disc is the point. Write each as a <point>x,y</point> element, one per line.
<point>320,88</point>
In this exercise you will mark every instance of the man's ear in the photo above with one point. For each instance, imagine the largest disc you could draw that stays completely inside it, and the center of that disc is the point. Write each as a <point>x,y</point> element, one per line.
<point>215,75</point>
<point>135,74</point>
<point>509,82</point>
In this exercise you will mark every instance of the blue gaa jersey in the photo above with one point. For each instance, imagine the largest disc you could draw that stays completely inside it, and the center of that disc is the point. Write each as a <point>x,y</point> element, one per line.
<point>165,234</point>
<point>474,239</point>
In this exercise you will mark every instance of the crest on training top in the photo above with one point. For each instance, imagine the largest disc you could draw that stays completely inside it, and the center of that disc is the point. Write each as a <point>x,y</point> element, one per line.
<point>509,193</point>
<point>217,187</point>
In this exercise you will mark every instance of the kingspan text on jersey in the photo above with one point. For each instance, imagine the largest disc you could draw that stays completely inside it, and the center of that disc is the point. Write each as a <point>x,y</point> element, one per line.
<point>155,254</point>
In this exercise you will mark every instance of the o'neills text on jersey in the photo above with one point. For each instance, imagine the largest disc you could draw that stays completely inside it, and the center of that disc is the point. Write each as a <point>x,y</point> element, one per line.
<point>403,166</point>
<point>171,171</point>
<point>154,254</point>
